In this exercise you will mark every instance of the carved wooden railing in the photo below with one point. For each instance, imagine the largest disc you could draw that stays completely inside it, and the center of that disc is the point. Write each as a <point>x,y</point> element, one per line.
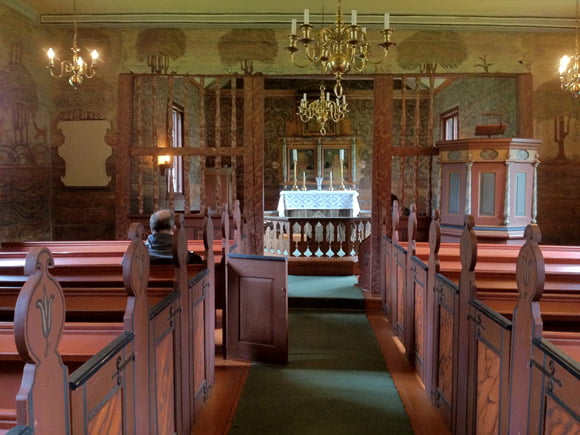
<point>315,236</point>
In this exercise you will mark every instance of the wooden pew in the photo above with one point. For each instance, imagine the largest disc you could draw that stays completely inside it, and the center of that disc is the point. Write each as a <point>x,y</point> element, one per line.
<point>51,402</point>
<point>407,265</point>
<point>495,358</point>
<point>185,311</point>
<point>422,294</point>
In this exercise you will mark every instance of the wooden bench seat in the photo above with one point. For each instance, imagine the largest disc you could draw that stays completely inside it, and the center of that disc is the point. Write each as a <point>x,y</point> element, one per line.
<point>495,273</point>
<point>80,341</point>
<point>91,284</point>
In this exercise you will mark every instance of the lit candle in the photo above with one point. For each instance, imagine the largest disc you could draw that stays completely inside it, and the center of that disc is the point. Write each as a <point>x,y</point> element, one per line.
<point>387,21</point>
<point>50,53</point>
<point>295,155</point>
<point>306,16</point>
<point>94,56</point>
<point>293,31</point>
<point>341,154</point>
<point>353,17</point>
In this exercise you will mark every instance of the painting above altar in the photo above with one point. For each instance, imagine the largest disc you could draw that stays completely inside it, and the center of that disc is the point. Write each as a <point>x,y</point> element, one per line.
<point>318,203</point>
<point>308,158</point>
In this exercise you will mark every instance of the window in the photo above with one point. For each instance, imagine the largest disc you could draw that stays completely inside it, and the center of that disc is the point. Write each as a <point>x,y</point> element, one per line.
<point>450,124</point>
<point>177,172</point>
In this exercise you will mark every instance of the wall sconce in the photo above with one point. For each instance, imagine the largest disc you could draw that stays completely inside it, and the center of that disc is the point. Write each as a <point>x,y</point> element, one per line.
<point>164,162</point>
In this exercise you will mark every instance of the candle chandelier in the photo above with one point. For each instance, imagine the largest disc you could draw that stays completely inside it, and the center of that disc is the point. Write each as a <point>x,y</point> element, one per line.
<point>338,48</point>
<point>570,68</point>
<point>77,67</point>
<point>323,110</point>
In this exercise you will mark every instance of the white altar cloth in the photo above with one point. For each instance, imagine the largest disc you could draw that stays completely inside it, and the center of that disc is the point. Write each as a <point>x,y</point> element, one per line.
<point>318,200</point>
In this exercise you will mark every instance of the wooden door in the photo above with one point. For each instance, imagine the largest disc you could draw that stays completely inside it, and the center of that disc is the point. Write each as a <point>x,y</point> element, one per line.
<point>257,309</point>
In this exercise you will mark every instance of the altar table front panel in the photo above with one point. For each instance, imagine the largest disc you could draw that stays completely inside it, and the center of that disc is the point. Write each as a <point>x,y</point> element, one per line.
<point>318,200</point>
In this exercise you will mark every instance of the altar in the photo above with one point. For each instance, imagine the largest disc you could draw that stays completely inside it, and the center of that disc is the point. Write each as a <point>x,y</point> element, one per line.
<point>318,203</point>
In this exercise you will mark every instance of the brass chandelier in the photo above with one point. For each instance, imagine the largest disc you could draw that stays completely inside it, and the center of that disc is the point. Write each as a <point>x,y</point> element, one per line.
<point>323,110</point>
<point>570,68</point>
<point>338,48</point>
<point>77,67</point>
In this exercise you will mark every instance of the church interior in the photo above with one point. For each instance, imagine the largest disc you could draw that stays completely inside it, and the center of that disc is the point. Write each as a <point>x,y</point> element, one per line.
<point>382,156</point>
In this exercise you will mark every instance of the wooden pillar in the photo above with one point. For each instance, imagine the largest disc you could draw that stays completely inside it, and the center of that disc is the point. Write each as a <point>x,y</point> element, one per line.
<point>381,175</point>
<point>122,157</point>
<point>253,207</point>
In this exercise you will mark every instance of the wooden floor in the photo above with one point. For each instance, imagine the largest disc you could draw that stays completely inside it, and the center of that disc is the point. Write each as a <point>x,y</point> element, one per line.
<point>217,416</point>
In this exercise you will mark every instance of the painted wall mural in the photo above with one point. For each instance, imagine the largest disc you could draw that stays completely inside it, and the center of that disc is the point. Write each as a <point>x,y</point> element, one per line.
<point>240,48</point>
<point>25,167</point>
<point>428,50</point>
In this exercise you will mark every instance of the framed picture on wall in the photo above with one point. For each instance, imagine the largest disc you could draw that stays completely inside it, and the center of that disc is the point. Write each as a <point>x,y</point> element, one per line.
<point>305,158</point>
<point>331,156</point>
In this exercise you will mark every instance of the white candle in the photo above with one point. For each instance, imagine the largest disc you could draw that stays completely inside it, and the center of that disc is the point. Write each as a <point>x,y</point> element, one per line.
<point>293,31</point>
<point>341,154</point>
<point>295,155</point>
<point>304,178</point>
<point>387,21</point>
<point>306,16</point>
<point>353,17</point>
<point>330,173</point>
<point>304,97</point>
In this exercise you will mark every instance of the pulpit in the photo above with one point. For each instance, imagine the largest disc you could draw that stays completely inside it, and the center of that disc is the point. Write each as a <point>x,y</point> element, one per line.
<point>318,203</point>
<point>493,179</point>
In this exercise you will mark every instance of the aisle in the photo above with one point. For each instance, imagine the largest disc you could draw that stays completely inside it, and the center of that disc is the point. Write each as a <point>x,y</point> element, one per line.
<point>336,381</point>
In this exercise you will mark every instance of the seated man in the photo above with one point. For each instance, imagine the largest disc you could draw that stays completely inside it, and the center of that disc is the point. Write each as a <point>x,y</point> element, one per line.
<point>160,241</point>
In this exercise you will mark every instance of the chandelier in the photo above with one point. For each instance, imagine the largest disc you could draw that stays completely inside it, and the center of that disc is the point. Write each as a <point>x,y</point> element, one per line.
<point>323,110</point>
<point>338,48</point>
<point>77,67</point>
<point>570,68</point>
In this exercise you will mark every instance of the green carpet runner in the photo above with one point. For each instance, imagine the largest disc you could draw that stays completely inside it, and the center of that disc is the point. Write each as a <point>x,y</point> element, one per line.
<point>336,382</point>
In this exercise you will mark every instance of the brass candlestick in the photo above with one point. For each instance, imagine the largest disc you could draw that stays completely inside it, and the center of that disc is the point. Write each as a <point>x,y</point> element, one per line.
<point>304,181</point>
<point>342,186</point>
<point>295,187</point>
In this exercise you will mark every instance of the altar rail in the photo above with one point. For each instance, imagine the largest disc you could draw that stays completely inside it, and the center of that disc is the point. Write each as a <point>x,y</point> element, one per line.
<point>315,236</point>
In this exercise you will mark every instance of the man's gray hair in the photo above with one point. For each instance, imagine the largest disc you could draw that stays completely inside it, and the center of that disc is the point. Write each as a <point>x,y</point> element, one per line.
<point>161,220</point>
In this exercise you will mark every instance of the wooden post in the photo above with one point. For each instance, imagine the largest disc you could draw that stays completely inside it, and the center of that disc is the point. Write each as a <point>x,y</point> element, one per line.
<point>38,326</point>
<point>381,176</point>
<point>527,324</point>
<point>136,278</point>
<point>431,314</point>
<point>462,325</point>
<point>254,163</point>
